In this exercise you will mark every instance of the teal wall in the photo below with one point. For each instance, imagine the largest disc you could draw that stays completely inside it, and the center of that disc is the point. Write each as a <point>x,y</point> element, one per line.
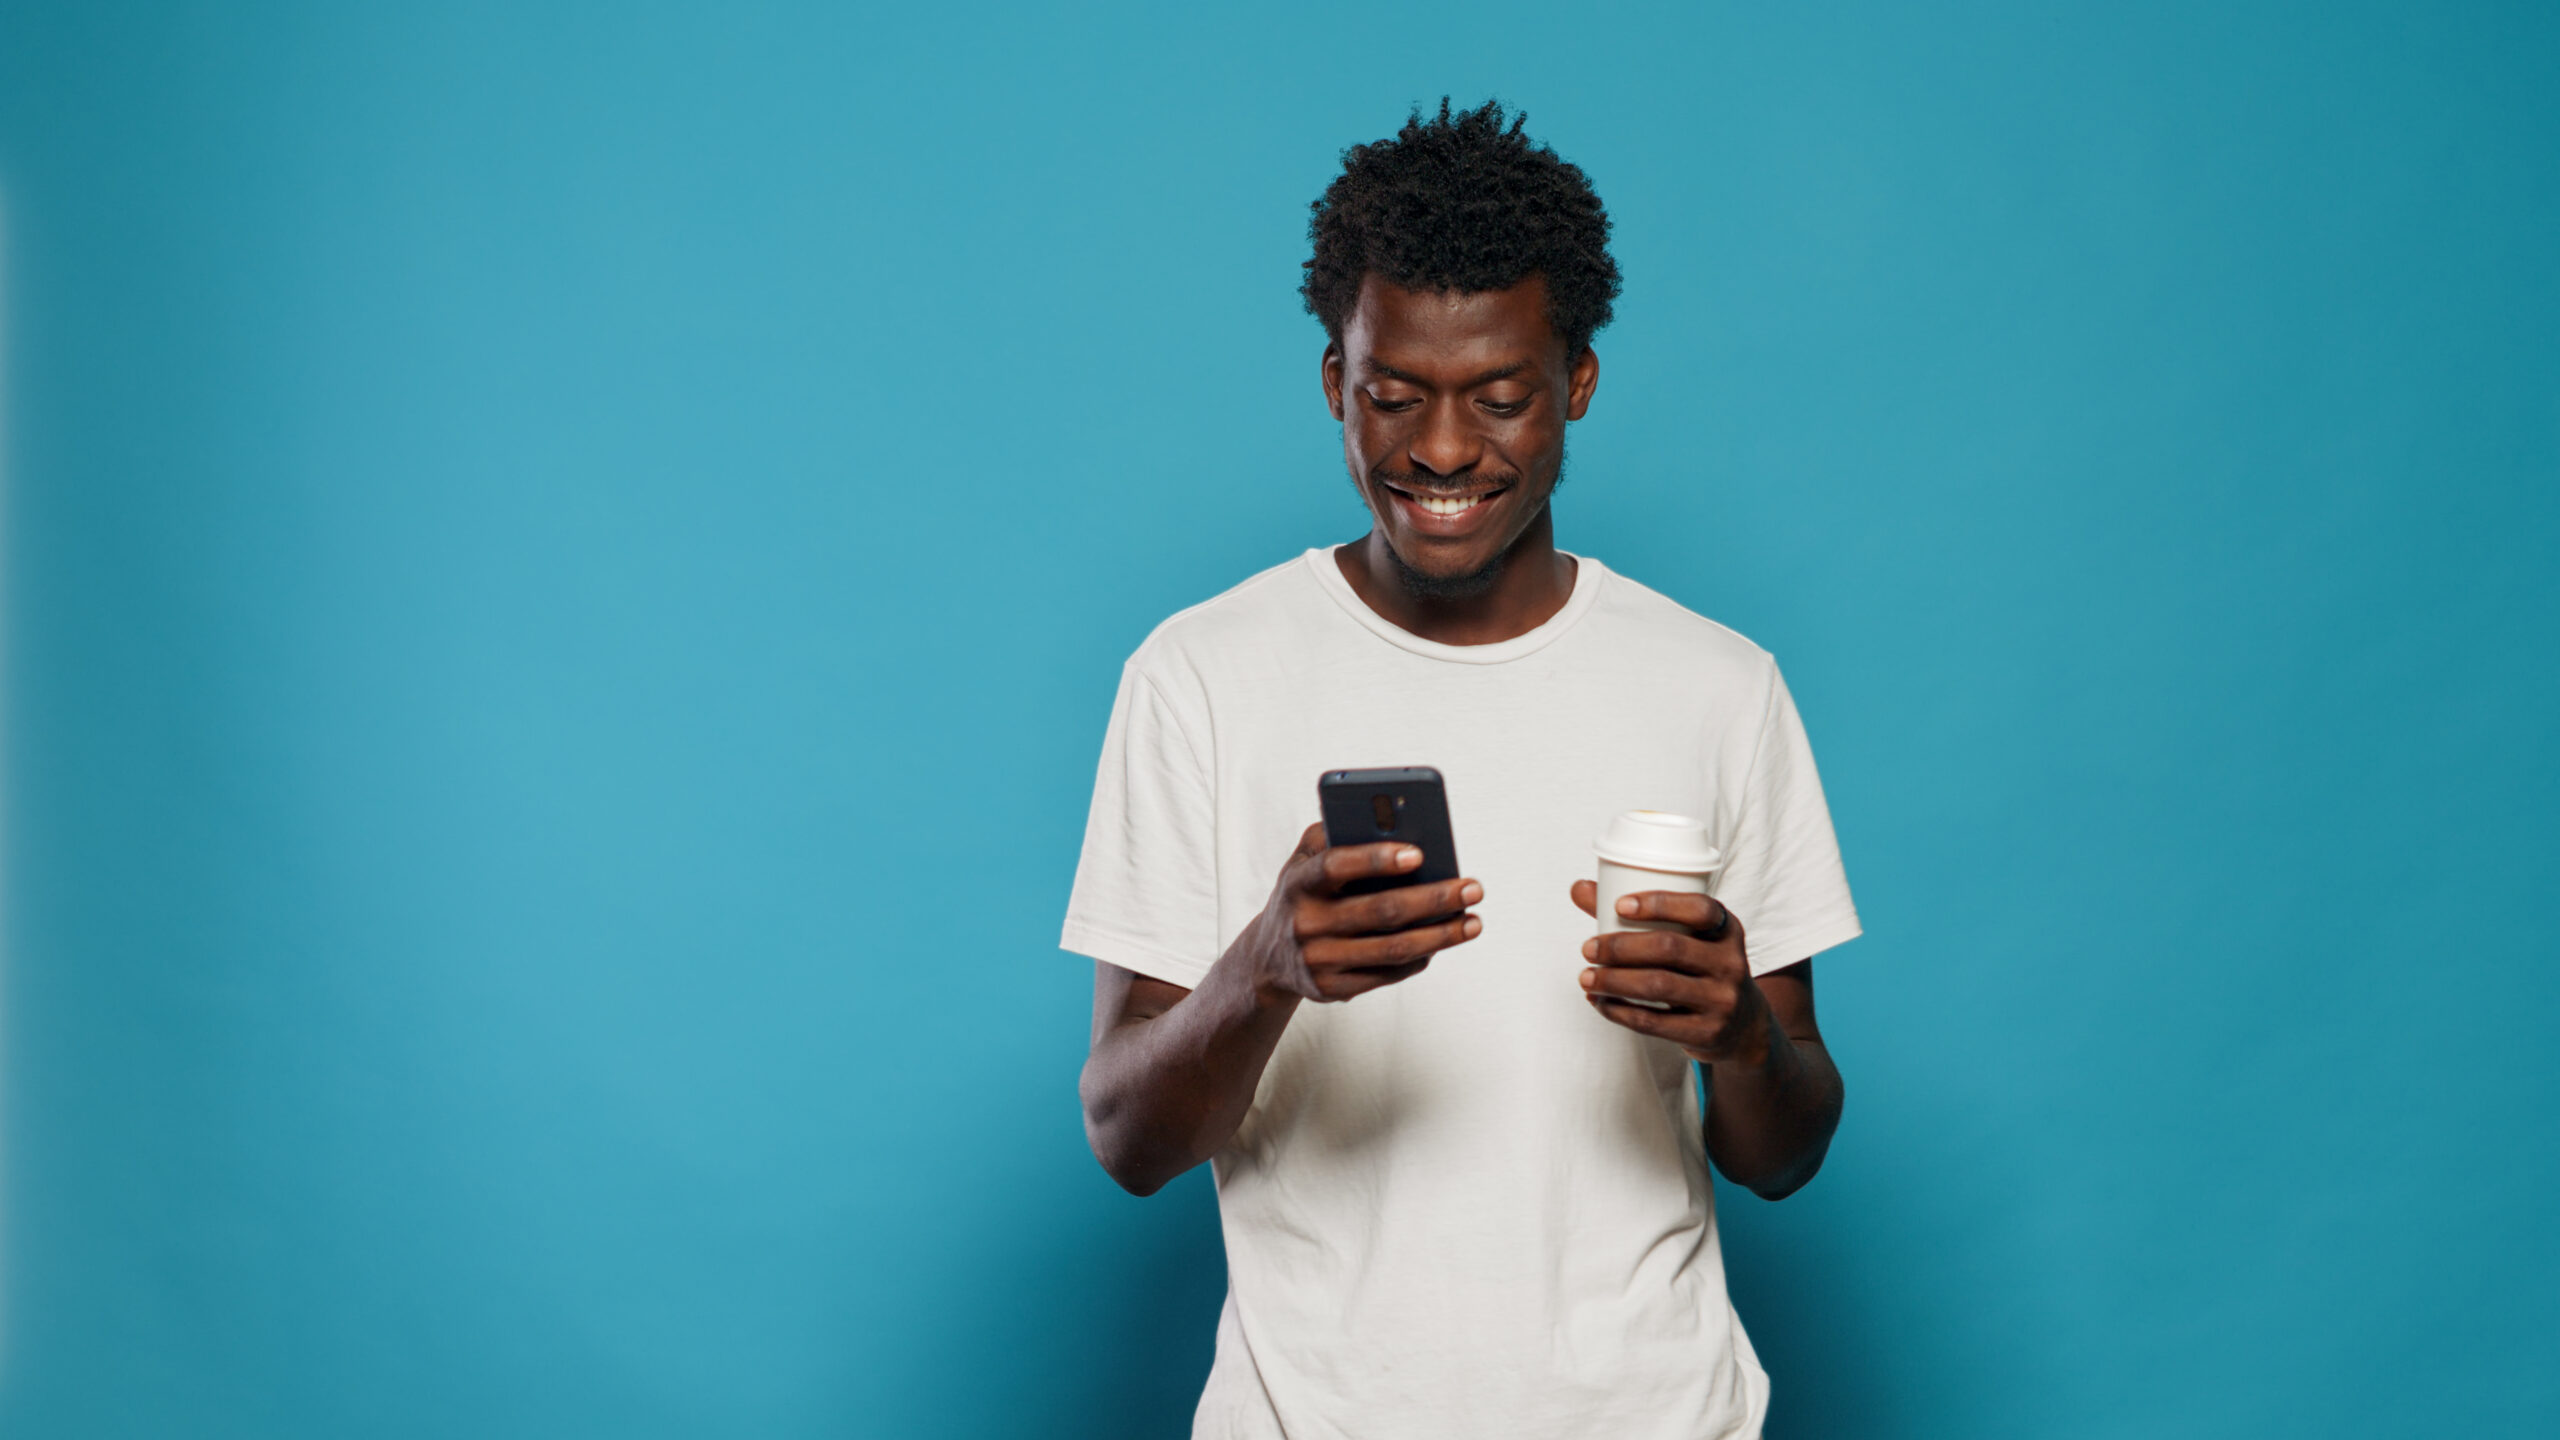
<point>565,569</point>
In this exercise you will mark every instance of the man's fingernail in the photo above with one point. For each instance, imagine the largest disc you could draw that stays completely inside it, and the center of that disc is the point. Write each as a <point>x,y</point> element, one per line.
<point>1627,905</point>
<point>1590,978</point>
<point>1471,892</point>
<point>1590,949</point>
<point>1408,856</point>
<point>1475,927</point>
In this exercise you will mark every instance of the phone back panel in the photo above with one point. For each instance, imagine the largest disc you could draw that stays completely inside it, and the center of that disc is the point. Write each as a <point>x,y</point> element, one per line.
<point>1363,807</point>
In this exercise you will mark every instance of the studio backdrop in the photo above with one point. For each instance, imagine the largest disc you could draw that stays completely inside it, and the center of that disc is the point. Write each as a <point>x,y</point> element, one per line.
<point>565,568</point>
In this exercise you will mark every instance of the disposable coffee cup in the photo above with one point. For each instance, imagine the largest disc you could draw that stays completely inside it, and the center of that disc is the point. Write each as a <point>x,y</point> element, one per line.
<point>1652,850</point>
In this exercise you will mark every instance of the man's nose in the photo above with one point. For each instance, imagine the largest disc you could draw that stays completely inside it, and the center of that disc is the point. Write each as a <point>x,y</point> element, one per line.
<point>1447,444</point>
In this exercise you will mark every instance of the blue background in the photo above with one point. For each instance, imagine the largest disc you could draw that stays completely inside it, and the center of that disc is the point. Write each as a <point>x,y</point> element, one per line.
<point>565,569</point>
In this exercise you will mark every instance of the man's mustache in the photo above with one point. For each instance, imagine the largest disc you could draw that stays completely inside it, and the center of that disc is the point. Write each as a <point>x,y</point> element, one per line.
<point>1422,484</point>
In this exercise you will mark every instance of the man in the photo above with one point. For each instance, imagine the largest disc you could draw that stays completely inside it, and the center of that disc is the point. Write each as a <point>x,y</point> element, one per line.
<point>1463,1180</point>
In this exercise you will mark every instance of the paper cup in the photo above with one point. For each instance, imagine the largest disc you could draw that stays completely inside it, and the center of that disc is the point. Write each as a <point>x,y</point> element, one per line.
<point>1652,850</point>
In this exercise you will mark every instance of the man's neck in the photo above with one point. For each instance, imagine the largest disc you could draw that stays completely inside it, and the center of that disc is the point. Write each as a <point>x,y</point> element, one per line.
<point>1533,584</point>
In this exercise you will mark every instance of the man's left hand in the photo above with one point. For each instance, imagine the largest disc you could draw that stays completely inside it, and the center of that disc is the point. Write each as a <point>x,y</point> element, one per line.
<point>1701,971</point>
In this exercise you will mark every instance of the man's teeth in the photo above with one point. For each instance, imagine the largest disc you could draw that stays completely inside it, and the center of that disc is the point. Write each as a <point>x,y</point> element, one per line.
<point>1437,505</point>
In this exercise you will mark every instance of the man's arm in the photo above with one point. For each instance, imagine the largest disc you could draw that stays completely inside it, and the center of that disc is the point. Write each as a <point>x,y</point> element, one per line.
<point>1771,1111</point>
<point>1773,1094</point>
<point>1172,1071</point>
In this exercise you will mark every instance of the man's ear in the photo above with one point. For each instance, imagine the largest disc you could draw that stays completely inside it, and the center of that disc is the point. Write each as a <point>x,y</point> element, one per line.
<point>1333,377</point>
<point>1580,380</point>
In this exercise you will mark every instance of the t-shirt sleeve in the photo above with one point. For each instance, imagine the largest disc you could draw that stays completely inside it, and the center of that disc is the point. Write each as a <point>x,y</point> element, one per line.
<point>1146,891</point>
<point>1783,877</point>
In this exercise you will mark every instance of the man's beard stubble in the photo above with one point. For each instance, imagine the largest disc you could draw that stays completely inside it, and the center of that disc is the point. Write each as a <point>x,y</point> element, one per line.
<point>1450,587</point>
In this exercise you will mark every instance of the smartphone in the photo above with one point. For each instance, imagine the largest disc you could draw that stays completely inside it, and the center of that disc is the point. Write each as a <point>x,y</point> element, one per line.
<point>1365,807</point>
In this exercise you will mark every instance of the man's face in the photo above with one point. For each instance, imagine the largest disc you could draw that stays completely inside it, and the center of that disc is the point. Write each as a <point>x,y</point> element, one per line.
<point>1453,410</point>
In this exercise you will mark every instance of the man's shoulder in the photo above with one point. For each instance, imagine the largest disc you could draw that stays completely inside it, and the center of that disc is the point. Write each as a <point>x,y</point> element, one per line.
<point>1636,613</point>
<point>1284,613</point>
<point>1249,618</point>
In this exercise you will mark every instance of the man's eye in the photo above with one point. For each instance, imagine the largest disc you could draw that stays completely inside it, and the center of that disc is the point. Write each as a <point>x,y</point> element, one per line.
<point>1390,403</point>
<point>1505,407</point>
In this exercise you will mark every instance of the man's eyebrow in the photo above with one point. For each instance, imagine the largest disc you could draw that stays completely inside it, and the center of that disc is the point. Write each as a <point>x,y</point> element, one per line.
<point>1503,372</point>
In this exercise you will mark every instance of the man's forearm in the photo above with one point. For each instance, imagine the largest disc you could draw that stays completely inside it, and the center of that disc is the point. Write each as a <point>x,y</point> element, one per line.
<point>1163,1093</point>
<point>1770,1117</point>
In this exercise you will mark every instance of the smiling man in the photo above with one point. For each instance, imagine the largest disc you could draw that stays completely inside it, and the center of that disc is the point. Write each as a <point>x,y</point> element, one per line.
<point>1463,1175</point>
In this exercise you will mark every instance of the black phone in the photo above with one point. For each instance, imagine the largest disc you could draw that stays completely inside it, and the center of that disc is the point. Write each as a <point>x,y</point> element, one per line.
<point>1364,807</point>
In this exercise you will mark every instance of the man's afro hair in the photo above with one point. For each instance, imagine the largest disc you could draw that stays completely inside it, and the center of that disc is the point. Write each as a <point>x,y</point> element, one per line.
<point>1462,203</point>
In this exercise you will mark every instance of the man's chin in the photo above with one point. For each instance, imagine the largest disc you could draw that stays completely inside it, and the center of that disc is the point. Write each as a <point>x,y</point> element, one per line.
<point>1461,584</point>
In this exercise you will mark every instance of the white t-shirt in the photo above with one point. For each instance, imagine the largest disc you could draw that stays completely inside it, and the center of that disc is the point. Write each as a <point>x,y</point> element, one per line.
<point>1465,1205</point>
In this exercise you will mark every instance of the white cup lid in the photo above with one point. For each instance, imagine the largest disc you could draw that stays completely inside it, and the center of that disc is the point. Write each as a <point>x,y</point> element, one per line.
<point>1659,840</point>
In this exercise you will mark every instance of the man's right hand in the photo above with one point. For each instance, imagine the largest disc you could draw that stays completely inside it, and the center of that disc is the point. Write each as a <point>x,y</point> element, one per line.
<point>1316,943</point>
<point>1173,1071</point>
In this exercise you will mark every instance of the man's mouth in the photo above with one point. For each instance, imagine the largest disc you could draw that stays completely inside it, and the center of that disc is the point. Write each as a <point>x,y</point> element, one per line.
<point>1445,506</point>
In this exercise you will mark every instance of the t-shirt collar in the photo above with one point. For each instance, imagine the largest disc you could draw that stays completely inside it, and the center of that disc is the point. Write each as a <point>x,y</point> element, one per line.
<point>1588,575</point>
